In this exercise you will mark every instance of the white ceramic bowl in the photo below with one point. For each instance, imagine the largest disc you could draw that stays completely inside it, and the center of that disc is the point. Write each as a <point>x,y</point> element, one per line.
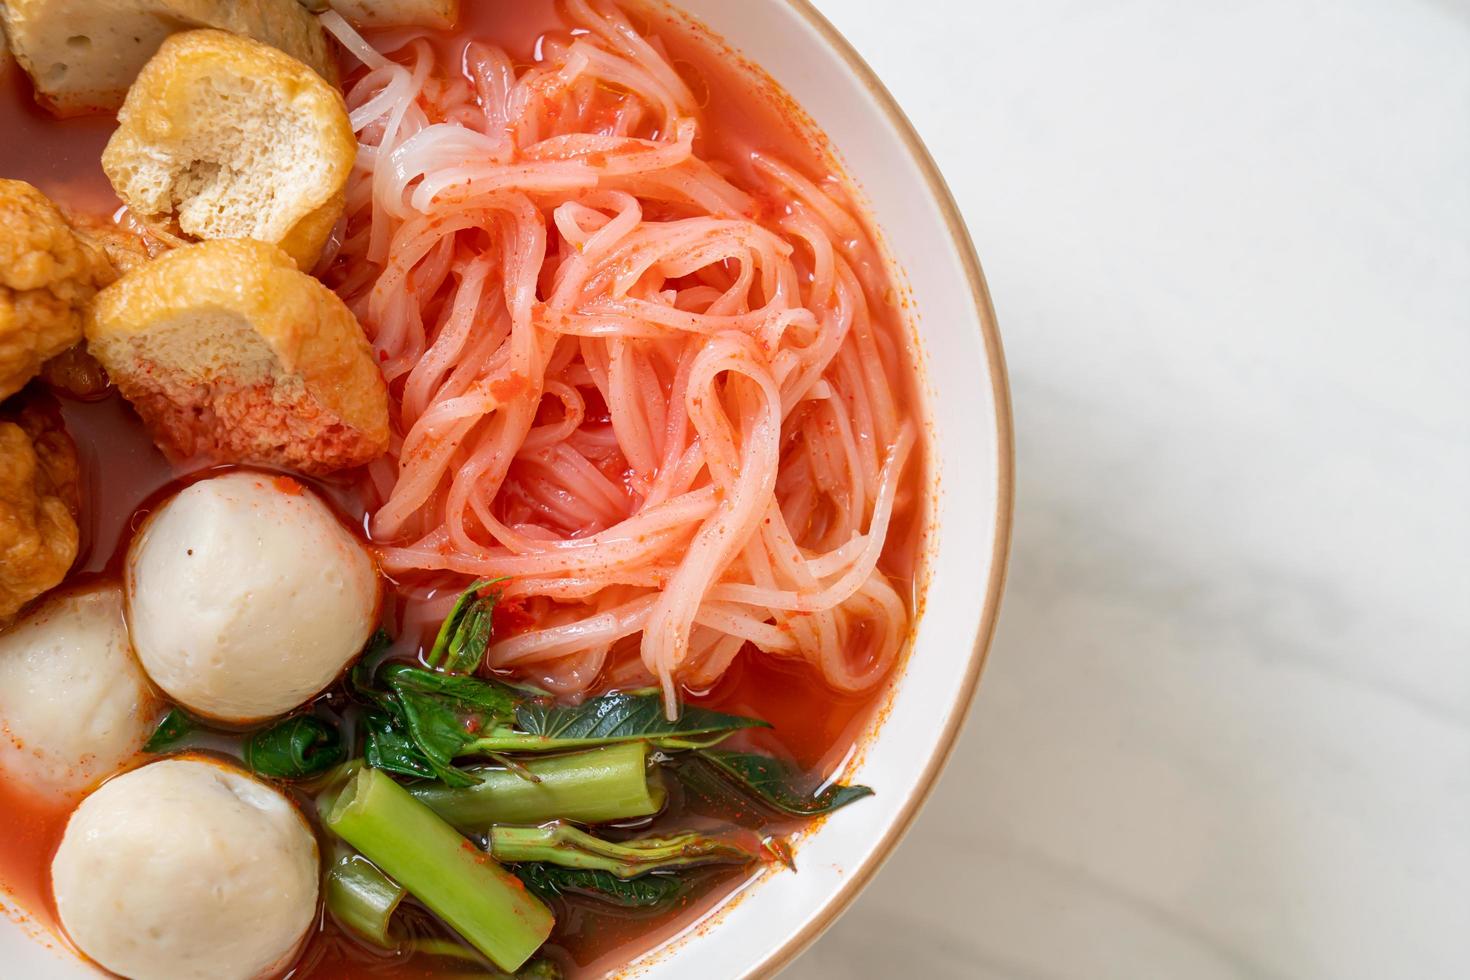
<point>766,926</point>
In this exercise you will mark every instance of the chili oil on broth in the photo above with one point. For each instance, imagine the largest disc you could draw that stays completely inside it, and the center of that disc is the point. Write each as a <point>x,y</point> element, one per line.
<point>123,474</point>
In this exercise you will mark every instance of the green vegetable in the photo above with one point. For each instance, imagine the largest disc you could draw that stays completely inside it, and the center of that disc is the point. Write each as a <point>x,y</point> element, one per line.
<point>465,634</point>
<point>363,899</point>
<point>541,725</point>
<point>489,699</point>
<point>482,901</point>
<point>171,732</point>
<point>391,747</point>
<point>295,748</point>
<point>650,891</point>
<point>562,844</point>
<point>768,781</point>
<point>374,652</point>
<point>613,782</point>
<point>425,720</point>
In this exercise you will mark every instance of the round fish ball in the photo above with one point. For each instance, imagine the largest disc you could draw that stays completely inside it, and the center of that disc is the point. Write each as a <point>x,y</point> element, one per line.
<point>247,596</point>
<point>187,868</point>
<point>75,706</point>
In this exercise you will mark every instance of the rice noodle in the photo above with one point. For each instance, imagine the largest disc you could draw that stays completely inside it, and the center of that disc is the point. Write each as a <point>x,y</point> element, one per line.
<point>661,407</point>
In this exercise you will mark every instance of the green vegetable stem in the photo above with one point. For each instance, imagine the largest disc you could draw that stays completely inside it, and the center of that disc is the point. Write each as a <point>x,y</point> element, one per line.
<point>562,844</point>
<point>461,884</point>
<point>363,899</point>
<point>614,782</point>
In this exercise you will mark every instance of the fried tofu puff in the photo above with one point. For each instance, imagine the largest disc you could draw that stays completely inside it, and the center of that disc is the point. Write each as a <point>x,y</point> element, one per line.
<point>39,501</point>
<point>74,371</point>
<point>47,276</point>
<point>399,13</point>
<point>225,137</point>
<point>83,54</point>
<point>228,352</point>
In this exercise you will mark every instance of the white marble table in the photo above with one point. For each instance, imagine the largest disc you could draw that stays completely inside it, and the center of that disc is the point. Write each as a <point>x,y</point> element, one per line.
<point>1225,730</point>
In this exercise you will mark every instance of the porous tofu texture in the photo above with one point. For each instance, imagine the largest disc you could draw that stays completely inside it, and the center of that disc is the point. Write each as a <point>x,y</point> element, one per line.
<point>224,137</point>
<point>39,500</point>
<point>229,353</point>
<point>47,275</point>
<point>399,13</point>
<point>83,54</point>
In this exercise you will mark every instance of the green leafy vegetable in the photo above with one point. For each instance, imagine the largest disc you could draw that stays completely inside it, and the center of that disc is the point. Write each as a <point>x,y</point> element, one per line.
<point>390,746</point>
<point>171,732</point>
<point>650,891</point>
<point>490,699</point>
<point>774,784</point>
<point>562,844</point>
<point>465,634</point>
<point>295,748</point>
<point>420,720</point>
<point>425,720</point>
<point>443,715</point>
<point>541,725</point>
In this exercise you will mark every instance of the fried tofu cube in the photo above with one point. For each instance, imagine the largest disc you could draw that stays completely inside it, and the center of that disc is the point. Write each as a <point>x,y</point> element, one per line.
<point>83,54</point>
<point>225,137</point>
<point>47,275</point>
<point>399,13</point>
<point>229,353</point>
<point>39,500</point>
<point>74,371</point>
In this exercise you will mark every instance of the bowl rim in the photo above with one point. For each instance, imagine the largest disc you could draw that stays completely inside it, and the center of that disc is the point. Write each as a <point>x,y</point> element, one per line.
<point>964,246</point>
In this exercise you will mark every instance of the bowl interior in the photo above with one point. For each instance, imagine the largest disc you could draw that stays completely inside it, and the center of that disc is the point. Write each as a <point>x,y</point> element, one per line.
<point>772,920</point>
<point>970,430</point>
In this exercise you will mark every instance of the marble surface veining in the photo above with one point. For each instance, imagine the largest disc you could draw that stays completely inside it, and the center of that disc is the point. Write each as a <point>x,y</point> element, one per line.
<point>1225,729</point>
